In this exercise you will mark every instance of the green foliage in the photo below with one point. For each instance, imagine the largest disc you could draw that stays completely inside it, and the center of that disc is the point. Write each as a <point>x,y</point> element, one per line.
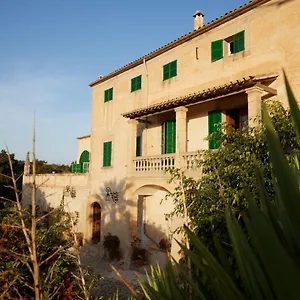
<point>54,244</point>
<point>229,172</point>
<point>42,167</point>
<point>266,249</point>
<point>18,167</point>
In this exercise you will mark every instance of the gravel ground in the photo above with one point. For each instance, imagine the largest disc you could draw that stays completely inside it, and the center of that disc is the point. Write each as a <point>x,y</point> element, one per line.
<point>110,283</point>
<point>109,286</point>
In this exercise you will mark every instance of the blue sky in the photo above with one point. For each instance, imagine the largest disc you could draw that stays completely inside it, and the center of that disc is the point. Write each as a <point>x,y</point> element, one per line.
<point>52,49</point>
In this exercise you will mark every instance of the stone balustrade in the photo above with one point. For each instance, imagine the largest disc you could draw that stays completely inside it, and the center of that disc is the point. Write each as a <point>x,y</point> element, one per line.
<point>164,162</point>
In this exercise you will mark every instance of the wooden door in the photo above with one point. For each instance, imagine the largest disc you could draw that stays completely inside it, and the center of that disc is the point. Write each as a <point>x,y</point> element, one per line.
<point>96,223</point>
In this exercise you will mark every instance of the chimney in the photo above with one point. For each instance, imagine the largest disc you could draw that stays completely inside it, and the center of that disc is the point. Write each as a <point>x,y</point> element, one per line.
<point>198,19</point>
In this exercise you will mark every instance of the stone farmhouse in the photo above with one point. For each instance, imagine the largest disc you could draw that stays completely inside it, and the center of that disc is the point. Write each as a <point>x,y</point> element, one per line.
<point>157,111</point>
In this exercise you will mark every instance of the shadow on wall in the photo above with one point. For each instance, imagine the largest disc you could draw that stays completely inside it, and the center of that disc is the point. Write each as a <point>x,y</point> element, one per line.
<point>114,212</point>
<point>41,198</point>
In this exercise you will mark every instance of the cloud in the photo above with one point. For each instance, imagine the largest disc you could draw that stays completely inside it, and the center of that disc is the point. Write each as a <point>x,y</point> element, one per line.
<point>62,106</point>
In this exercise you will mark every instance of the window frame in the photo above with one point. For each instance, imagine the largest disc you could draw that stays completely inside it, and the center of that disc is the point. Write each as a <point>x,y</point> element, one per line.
<point>136,83</point>
<point>170,70</point>
<point>108,94</point>
<point>217,50</point>
<point>107,154</point>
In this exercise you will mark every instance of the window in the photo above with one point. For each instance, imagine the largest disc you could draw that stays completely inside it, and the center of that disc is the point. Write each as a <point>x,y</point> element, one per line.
<point>136,83</point>
<point>214,121</point>
<point>84,161</point>
<point>108,95</point>
<point>237,118</point>
<point>169,137</point>
<point>216,50</point>
<point>170,70</point>
<point>138,150</point>
<point>236,43</point>
<point>107,146</point>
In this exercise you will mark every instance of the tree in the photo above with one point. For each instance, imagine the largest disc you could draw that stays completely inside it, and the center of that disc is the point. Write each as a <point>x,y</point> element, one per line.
<point>5,171</point>
<point>229,174</point>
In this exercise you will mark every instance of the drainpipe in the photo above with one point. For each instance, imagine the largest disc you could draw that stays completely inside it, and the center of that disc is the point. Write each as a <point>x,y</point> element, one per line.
<point>146,96</point>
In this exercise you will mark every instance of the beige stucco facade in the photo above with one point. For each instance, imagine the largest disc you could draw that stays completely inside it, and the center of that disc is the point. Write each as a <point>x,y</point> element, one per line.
<point>84,144</point>
<point>271,42</point>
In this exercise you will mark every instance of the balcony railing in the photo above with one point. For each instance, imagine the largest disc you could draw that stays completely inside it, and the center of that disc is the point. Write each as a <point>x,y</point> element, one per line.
<point>164,162</point>
<point>154,163</point>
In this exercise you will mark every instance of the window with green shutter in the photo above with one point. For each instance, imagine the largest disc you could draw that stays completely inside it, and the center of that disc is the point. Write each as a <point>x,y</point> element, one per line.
<point>138,150</point>
<point>108,95</point>
<point>84,157</point>
<point>107,149</point>
<point>216,50</point>
<point>170,70</point>
<point>136,83</point>
<point>169,137</point>
<point>214,125</point>
<point>239,42</point>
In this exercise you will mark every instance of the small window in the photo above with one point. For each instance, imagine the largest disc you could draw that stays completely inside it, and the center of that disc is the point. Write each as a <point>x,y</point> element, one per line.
<point>216,50</point>
<point>108,95</point>
<point>236,43</point>
<point>170,70</point>
<point>107,149</point>
<point>136,83</point>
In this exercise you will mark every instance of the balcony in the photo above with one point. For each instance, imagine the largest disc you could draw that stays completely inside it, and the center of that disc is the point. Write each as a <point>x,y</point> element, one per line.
<point>161,163</point>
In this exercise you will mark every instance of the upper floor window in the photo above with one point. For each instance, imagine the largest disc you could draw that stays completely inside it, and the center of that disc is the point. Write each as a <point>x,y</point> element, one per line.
<point>170,70</point>
<point>236,43</point>
<point>108,94</point>
<point>216,50</point>
<point>233,44</point>
<point>136,83</point>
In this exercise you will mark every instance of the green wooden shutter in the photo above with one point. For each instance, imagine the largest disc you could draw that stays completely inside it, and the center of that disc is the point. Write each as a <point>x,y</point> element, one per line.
<point>239,42</point>
<point>170,70</point>
<point>214,119</point>
<point>216,50</point>
<point>76,168</point>
<point>107,154</point>
<point>136,83</point>
<point>173,69</point>
<point>138,149</point>
<point>139,82</point>
<point>166,72</point>
<point>163,138</point>
<point>108,94</point>
<point>169,137</point>
<point>84,157</point>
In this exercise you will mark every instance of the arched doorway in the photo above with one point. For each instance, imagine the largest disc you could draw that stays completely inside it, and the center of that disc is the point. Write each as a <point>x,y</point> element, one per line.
<point>96,222</point>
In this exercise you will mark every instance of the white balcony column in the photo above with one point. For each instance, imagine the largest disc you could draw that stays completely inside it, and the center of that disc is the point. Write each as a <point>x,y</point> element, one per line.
<point>181,135</point>
<point>131,144</point>
<point>254,104</point>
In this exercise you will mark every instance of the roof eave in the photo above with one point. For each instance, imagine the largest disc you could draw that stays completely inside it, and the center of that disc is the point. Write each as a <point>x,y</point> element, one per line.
<point>209,94</point>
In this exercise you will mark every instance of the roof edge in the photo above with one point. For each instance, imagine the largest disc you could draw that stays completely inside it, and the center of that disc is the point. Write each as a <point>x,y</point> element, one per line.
<point>209,26</point>
<point>84,137</point>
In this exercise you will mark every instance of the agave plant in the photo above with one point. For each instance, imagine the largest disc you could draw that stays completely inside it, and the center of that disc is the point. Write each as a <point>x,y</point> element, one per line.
<point>267,250</point>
